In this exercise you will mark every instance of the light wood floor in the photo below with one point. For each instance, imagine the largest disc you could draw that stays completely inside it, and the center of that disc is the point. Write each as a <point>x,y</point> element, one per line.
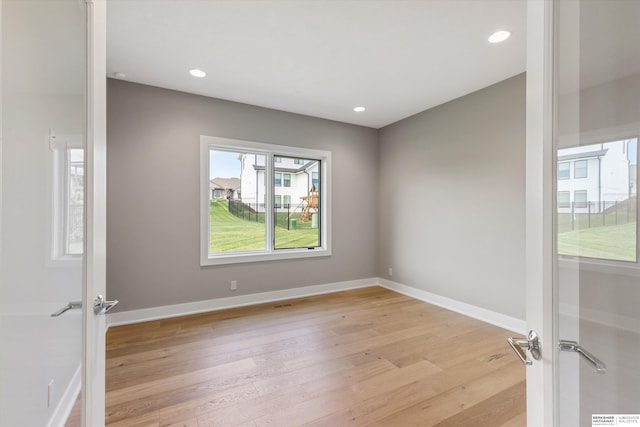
<point>355,358</point>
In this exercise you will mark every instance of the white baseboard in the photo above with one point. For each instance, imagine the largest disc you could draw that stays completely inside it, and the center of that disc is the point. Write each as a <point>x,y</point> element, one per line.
<point>498,319</point>
<point>68,399</point>
<point>154,313</point>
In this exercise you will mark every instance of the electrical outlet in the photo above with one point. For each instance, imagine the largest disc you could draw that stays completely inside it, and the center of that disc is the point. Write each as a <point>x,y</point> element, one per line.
<point>234,285</point>
<point>390,271</point>
<point>49,394</point>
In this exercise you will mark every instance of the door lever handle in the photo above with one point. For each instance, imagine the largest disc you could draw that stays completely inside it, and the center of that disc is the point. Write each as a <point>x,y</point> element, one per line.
<point>531,343</point>
<point>100,306</point>
<point>575,347</point>
<point>69,306</point>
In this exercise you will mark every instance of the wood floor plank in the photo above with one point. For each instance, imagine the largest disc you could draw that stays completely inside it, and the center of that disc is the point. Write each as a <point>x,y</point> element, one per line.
<point>363,357</point>
<point>496,410</point>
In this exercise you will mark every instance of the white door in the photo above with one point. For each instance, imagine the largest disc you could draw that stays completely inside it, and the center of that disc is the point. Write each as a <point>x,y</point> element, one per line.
<point>583,276</point>
<point>52,211</point>
<point>96,305</point>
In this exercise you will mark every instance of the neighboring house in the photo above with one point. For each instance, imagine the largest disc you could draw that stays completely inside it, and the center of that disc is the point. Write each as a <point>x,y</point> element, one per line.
<point>594,177</point>
<point>222,188</point>
<point>293,180</point>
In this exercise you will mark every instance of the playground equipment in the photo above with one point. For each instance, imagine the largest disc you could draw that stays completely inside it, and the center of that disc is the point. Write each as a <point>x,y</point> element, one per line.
<point>311,205</point>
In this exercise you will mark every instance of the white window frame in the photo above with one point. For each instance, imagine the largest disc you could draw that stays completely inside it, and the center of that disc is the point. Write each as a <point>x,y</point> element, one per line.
<point>58,147</point>
<point>603,265</point>
<point>270,151</point>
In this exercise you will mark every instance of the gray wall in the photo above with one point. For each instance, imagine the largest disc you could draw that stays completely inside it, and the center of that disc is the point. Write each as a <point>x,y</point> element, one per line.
<point>153,196</point>
<point>452,212</point>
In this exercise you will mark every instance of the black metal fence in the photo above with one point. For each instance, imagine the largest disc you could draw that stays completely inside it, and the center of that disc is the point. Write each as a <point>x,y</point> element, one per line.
<point>287,216</point>
<point>580,215</point>
<point>247,211</point>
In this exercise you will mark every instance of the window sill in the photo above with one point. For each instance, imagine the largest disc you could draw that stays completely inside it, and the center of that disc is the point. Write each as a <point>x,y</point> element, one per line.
<point>250,257</point>
<point>622,268</point>
<point>67,261</point>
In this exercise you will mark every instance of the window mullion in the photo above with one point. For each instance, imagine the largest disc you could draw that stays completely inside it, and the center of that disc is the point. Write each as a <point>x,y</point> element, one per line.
<point>268,203</point>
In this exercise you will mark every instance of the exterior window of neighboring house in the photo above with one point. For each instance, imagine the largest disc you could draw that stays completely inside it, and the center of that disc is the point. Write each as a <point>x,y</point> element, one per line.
<point>564,199</point>
<point>217,194</point>
<point>263,221</point>
<point>580,169</point>
<point>564,170</point>
<point>599,220</point>
<point>67,215</point>
<point>580,199</point>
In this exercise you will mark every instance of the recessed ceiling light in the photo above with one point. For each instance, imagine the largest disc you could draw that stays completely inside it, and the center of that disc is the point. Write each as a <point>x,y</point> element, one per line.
<point>359,109</point>
<point>499,36</point>
<point>197,73</point>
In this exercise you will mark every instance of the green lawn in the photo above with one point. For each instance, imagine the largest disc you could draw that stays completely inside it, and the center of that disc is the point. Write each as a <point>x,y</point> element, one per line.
<point>616,242</point>
<point>230,234</point>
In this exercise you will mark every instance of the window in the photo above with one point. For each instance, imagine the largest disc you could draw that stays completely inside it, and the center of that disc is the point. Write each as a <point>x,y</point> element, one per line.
<point>564,199</point>
<point>600,223</point>
<point>67,236</point>
<point>563,170</point>
<point>298,162</point>
<point>217,194</point>
<point>260,222</point>
<point>302,220</point>
<point>580,169</point>
<point>580,199</point>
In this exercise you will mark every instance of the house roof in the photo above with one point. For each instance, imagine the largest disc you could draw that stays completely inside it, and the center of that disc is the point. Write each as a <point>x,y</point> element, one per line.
<point>225,183</point>
<point>585,155</point>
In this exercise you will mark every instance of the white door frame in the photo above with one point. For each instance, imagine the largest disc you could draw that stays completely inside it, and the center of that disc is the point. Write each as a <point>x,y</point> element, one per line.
<point>540,172</point>
<point>94,327</point>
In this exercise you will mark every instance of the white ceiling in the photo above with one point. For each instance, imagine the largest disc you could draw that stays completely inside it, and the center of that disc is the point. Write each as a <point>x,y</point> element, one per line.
<point>319,57</point>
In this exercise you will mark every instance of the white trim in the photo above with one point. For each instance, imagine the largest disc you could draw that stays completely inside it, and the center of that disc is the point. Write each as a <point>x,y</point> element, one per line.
<point>95,230</point>
<point>540,199</point>
<point>176,310</point>
<point>57,203</point>
<point>268,150</point>
<point>167,311</point>
<point>488,316</point>
<point>63,409</point>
